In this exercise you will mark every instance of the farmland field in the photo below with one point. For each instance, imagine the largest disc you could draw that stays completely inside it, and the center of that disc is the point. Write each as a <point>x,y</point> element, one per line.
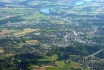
<point>24,32</point>
<point>52,58</point>
<point>1,51</point>
<point>52,68</point>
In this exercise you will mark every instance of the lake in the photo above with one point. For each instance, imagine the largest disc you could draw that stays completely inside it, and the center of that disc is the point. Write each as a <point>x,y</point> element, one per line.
<point>45,10</point>
<point>88,0</point>
<point>82,2</point>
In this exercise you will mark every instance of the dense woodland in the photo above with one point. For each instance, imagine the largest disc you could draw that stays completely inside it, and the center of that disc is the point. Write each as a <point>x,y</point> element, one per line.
<point>12,20</point>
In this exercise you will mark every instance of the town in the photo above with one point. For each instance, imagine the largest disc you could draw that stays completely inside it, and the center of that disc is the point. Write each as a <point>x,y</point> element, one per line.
<point>51,35</point>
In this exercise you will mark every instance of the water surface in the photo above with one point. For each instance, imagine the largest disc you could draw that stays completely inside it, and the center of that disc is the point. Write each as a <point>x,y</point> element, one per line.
<point>45,10</point>
<point>82,2</point>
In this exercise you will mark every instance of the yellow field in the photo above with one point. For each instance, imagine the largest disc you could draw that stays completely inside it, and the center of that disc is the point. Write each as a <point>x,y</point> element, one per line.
<point>7,55</point>
<point>32,41</point>
<point>57,22</point>
<point>24,32</point>
<point>1,51</point>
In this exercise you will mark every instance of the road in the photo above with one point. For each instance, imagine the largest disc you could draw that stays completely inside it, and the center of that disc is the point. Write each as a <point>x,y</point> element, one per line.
<point>93,54</point>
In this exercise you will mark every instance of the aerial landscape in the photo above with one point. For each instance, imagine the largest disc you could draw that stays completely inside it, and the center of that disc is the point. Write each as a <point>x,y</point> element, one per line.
<point>51,34</point>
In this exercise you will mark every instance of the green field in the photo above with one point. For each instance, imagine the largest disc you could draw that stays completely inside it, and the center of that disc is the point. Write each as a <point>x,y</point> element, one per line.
<point>34,3</point>
<point>35,15</point>
<point>61,65</point>
<point>15,10</point>
<point>46,58</point>
<point>4,28</point>
<point>51,68</point>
